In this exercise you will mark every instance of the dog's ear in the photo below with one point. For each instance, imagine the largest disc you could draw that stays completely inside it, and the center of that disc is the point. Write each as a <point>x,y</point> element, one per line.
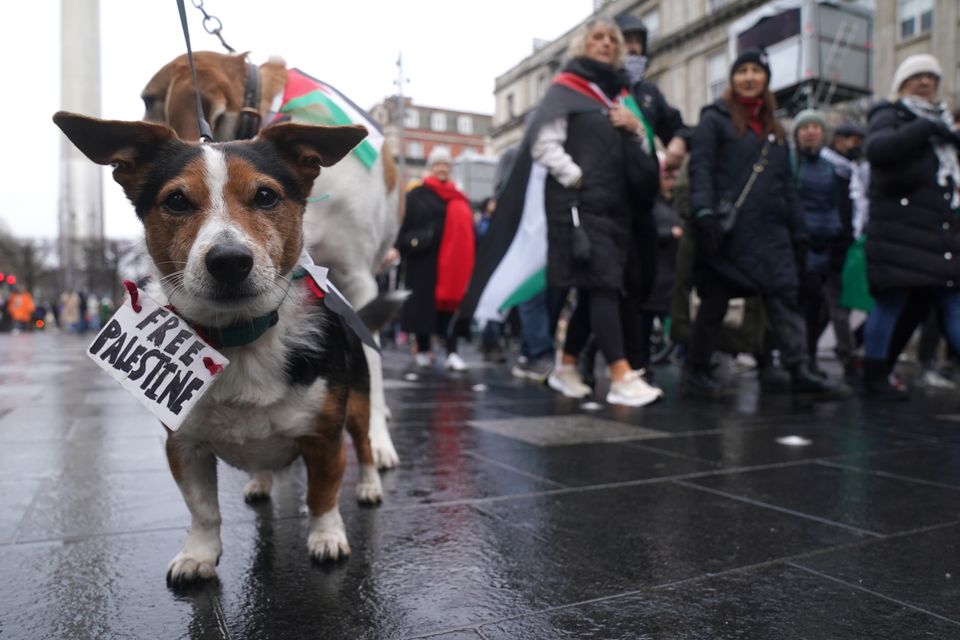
<point>308,147</point>
<point>129,146</point>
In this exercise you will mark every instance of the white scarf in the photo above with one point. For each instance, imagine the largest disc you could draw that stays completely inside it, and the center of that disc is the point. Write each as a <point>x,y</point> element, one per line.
<point>946,151</point>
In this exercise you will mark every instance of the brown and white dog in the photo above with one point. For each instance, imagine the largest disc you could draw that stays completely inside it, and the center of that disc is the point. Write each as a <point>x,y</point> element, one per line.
<point>349,230</point>
<point>224,228</point>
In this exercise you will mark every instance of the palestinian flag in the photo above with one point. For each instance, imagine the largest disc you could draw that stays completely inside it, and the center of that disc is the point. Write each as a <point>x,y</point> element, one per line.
<point>511,264</point>
<point>310,101</point>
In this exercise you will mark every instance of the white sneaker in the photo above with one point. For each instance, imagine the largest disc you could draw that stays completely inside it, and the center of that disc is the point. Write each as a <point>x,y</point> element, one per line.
<point>566,379</point>
<point>423,360</point>
<point>632,391</point>
<point>642,374</point>
<point>455,363</point>
<point>936,380</point>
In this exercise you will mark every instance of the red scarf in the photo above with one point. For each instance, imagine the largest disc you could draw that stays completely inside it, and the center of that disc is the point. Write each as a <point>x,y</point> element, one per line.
<point>457,249</point>
<point>753,107</point>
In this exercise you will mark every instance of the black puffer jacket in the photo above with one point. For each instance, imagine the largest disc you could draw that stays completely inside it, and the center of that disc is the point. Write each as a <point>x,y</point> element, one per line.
<point>603,202</point>
<point>758,252</point>
<point>913,236</point>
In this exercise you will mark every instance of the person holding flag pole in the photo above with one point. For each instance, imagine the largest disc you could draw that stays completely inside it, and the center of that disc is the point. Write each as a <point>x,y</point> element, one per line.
<point>565,213</point>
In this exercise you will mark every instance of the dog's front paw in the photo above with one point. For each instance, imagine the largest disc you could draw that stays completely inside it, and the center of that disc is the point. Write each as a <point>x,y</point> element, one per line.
<point>258,489</point>
<point>327,541</point>
<point>186,568</point>
<point>197,559</point>
<point>369,488</point>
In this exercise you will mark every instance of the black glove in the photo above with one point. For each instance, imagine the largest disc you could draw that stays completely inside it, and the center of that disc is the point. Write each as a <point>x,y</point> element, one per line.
<point>709,234</point>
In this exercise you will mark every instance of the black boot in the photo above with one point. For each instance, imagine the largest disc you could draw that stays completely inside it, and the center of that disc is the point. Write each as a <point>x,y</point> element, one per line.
<point>877,383</point>
<point>804,383</point>
<point>698,382</point>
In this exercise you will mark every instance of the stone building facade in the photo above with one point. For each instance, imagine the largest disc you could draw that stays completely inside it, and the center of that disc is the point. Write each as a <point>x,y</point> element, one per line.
<point>425,127</point>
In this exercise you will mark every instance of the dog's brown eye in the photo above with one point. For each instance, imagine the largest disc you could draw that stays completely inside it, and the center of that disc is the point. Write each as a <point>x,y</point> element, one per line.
<point>176,202</point>
<point>266,198</point>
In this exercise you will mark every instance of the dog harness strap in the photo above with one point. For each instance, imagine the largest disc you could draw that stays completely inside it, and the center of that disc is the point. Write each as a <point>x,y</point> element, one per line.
<point>249,124</point>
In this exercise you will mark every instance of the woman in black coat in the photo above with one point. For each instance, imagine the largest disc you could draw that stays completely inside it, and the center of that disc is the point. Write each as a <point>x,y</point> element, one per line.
<point>590,146</point>
<point>913,236</point>
<point>738,142</point>
<point>436,243</point>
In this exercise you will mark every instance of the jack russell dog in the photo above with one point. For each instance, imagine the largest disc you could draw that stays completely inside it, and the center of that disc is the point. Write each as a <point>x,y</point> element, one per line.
<point>224,228</point>
<point>352,219</point>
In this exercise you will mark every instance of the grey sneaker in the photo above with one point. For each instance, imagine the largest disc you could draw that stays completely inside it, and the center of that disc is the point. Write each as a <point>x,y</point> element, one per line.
<point>566,379</point>
<point>536,370</point>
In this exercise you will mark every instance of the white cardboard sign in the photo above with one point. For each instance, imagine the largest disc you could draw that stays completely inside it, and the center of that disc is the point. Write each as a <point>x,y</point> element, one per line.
<point>158,358</point>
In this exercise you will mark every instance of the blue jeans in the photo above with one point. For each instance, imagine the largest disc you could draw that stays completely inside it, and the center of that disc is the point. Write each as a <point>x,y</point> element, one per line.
<point>535,338</point>
<point>882,321</point>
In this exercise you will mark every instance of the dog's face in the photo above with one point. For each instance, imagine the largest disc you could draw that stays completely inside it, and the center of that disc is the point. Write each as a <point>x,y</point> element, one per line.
<point>223,222</point>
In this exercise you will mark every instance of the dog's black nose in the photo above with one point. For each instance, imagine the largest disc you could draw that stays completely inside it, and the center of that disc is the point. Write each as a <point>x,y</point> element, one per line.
<point>229,263</point>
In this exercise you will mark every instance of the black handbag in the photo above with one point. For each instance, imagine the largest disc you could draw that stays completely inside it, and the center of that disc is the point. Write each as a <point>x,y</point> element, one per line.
<point>418,241</point>
<point>580,250</point>
<point>727,211</point>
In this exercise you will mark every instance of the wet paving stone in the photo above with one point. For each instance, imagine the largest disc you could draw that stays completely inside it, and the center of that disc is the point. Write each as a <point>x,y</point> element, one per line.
<point>102,587</point>
<point>559,430</point>
<point>514,513</point>
<point>656,533</point>
<point>937,464</point>
<point>771,602</point>
<point>921,569</point>
<point>758,446</point>
<point>852,497</point>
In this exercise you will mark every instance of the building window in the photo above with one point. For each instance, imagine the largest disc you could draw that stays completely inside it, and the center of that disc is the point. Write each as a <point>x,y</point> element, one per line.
<point>438,121</point>
<point>511,111</point>
<point>415,150</point>
<point>541,85</point>
<point>915,17</point>
<point>651,20</point>
<point>411,119</point>
<point>716,75</point>
<point>465,125</point>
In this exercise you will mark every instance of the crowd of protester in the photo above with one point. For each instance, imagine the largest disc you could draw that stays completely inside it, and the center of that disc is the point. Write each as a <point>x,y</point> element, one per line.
<point>742,234</point>
<point>74,311</point>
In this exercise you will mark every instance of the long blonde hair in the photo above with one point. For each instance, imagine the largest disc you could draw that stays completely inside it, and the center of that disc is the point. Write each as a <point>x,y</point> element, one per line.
<point>578,43</point>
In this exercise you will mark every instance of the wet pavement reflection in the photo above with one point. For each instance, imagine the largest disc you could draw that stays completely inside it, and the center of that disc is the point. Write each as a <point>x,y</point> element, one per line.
<point>514,514</point>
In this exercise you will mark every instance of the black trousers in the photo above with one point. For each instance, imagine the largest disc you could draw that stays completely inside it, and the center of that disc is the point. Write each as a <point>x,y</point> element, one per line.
<point>445,328</point>
<point>783,310</point>
<point>597,311</point>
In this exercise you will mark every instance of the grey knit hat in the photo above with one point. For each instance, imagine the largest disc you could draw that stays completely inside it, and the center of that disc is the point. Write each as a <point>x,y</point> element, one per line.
<point>807,116</point>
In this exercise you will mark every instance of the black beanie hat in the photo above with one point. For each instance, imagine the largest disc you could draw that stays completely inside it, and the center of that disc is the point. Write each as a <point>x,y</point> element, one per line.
<point>755,56</point>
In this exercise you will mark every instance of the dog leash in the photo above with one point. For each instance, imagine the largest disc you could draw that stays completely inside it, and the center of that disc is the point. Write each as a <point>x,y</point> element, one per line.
<point>206,134</point>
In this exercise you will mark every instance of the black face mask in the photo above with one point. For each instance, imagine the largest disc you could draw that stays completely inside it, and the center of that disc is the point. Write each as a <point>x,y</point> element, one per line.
<point>854,153</point>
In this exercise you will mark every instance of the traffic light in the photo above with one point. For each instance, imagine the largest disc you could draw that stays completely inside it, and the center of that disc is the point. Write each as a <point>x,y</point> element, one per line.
<point>11,279</point>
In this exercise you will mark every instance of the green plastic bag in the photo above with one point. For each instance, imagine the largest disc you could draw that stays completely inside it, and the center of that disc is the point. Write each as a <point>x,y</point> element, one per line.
<point>854,289</point>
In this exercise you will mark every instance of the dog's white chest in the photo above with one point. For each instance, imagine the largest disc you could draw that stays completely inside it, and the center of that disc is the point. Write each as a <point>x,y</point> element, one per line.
<point>255,437</point>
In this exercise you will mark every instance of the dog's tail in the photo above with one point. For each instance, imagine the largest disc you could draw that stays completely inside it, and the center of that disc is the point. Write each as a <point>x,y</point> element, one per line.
<point>382,310</point>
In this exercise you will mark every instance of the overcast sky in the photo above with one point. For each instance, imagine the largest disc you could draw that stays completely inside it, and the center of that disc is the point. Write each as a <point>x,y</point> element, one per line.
<point>452,52</point>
